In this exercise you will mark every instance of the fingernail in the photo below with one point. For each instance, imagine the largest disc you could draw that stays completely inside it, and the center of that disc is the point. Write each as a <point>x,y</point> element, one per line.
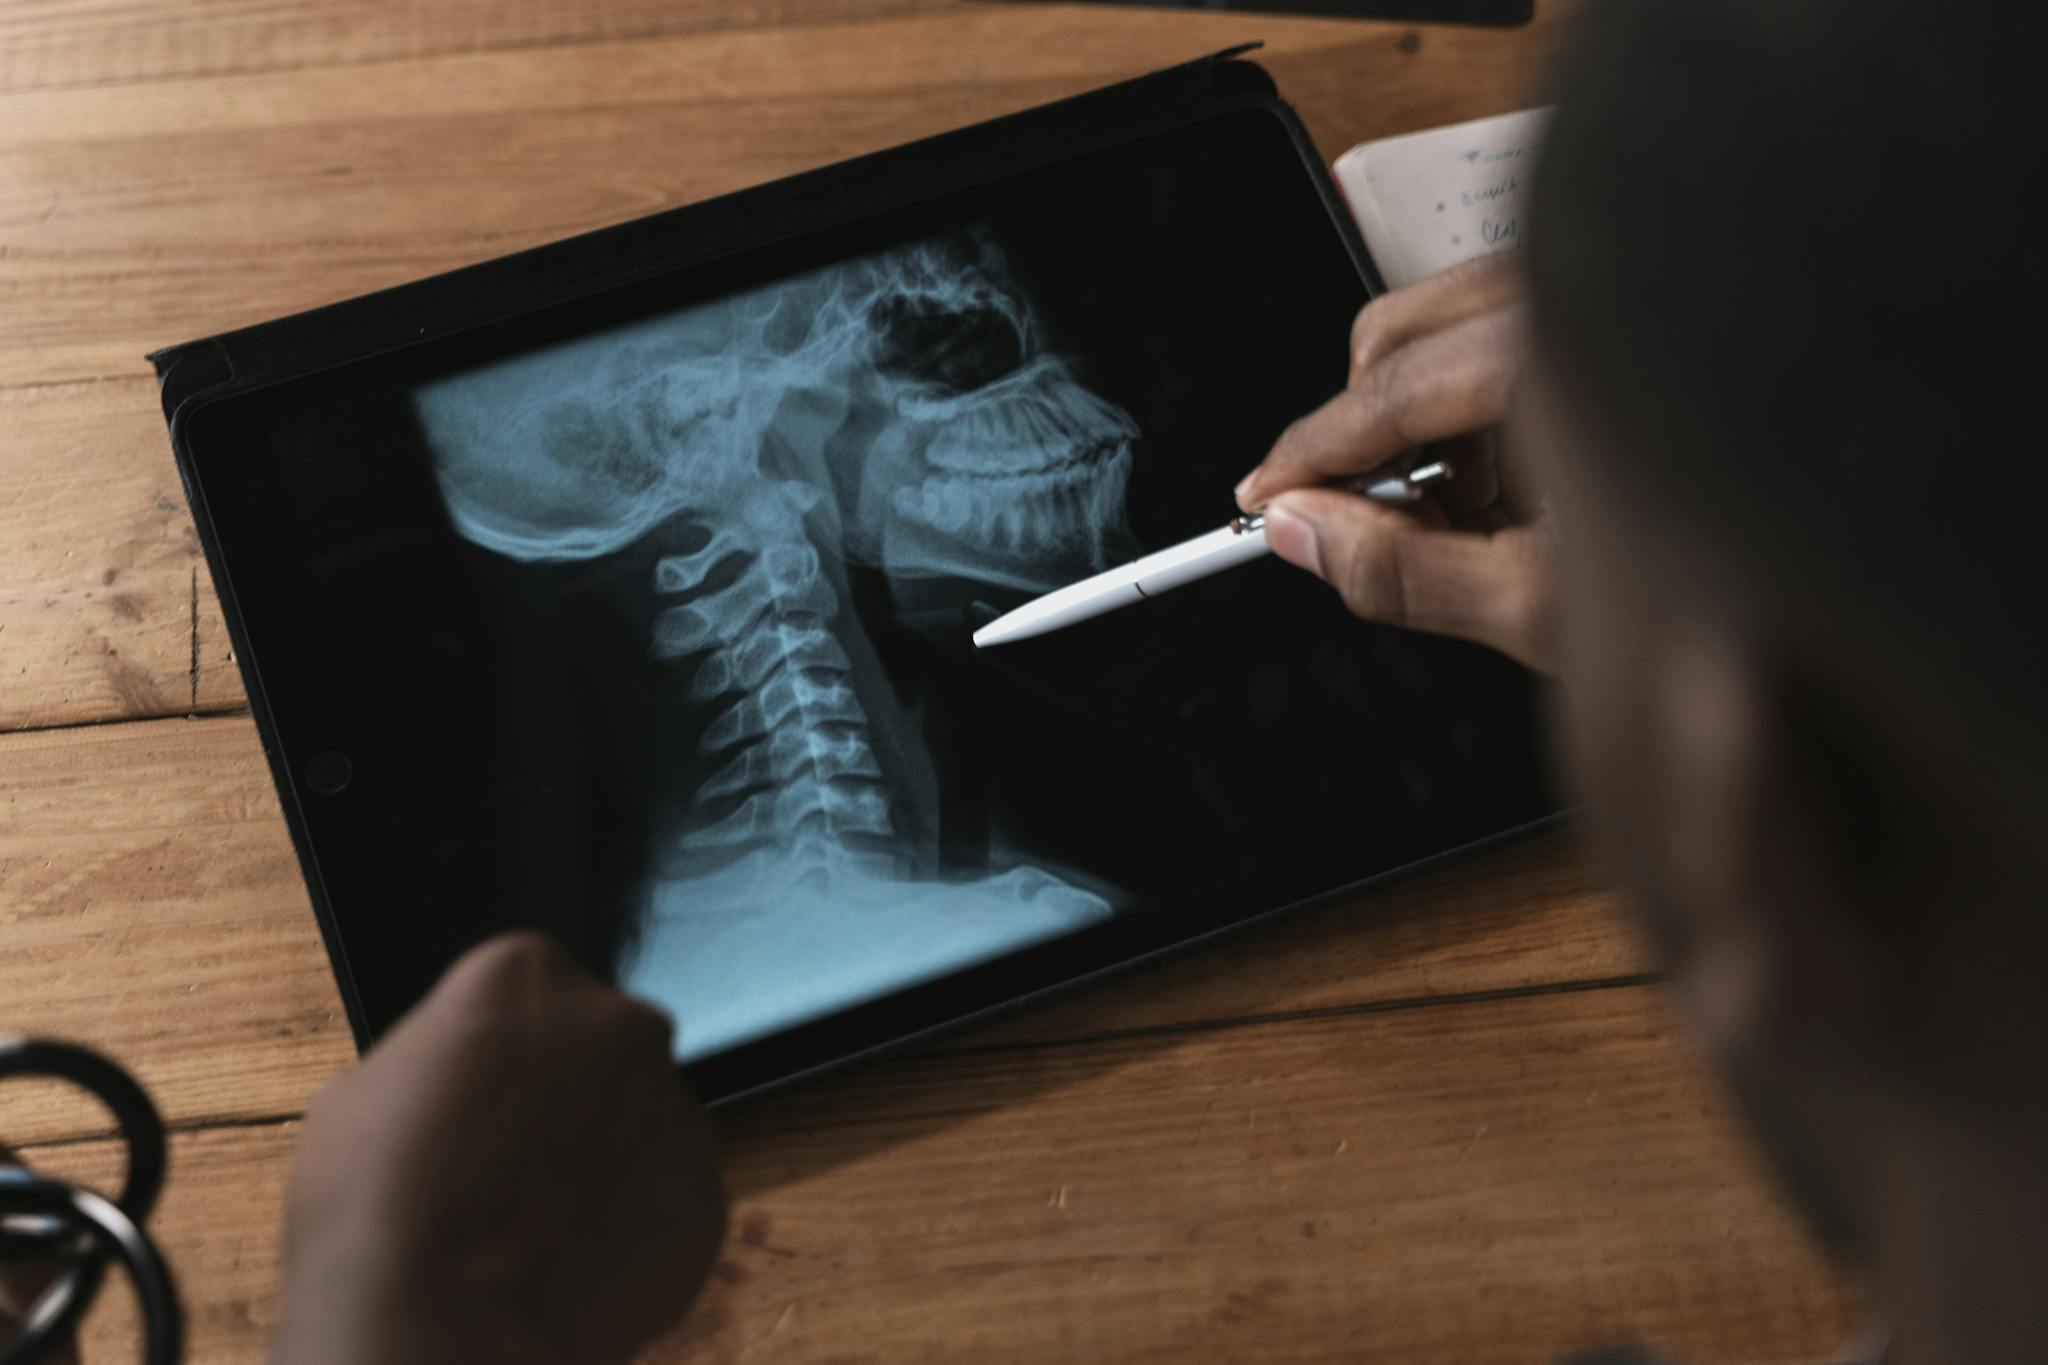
<point>1293,538</point>
<point>1244,486</point>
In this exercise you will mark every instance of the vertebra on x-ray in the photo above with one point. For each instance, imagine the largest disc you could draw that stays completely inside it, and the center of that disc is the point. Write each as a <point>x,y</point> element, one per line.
<point>898,413</point>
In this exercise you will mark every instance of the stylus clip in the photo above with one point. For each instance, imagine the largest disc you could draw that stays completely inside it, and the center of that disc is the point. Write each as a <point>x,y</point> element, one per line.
<point>1394,489</point>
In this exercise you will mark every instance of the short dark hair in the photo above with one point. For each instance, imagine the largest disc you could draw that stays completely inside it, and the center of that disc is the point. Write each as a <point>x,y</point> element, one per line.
<point>1784,258</point>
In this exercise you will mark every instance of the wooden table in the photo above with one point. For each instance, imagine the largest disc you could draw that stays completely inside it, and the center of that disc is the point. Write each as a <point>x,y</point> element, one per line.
<point>1447,1124</point>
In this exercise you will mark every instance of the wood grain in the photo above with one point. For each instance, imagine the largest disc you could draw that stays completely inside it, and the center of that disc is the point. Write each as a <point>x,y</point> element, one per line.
<point>1494,1183</point>
<point>147,883</point>
<point>106,609</point>
<point>181,208</point>
<point>151,907</point>
<point>58,43</point>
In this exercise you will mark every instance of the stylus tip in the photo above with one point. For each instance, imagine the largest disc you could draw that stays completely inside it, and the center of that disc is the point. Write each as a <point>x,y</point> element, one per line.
<point>1002,630</point>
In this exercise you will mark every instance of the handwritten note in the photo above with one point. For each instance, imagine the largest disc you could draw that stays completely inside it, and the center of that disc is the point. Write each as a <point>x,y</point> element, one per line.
<point>1426,201</point>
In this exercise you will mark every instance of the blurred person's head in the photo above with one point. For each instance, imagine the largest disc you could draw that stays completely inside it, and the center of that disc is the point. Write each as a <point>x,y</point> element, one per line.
<point>1784,397</point>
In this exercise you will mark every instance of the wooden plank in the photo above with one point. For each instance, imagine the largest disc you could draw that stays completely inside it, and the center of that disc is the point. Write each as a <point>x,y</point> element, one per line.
<point>147,884</point>
<point>151,213</point>
<point>151,907</point>
<point>100,42</point>
<point>106,610</point>
<point>1465,1185</point>
<point>1469,1184</point>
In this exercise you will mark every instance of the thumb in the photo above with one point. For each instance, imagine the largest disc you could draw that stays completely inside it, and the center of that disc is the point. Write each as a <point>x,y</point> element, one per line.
<point>1388,567</point>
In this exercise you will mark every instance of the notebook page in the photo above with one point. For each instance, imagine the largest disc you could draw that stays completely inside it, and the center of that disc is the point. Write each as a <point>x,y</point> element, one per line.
<point>1426,201</point>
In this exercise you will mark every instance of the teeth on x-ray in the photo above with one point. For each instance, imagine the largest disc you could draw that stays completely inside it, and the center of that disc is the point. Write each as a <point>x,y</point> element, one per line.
<point>1037,413</point>
<point>897,412</point>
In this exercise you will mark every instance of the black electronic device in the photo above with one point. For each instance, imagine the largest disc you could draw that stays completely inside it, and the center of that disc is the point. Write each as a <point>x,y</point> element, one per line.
<point>624,588</point>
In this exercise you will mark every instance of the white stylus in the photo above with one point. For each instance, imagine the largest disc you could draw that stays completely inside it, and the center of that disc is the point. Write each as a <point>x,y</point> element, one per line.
<point>1242,541</point>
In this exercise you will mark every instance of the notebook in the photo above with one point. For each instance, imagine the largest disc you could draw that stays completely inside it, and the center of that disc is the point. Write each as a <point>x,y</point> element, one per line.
<point>1426,201</point>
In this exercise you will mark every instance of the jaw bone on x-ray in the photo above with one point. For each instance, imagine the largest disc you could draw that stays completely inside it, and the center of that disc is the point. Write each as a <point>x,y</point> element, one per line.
<point>897,412</point>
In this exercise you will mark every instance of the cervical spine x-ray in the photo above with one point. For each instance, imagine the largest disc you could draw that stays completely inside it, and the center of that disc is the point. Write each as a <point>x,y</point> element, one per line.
<point>900,414</point>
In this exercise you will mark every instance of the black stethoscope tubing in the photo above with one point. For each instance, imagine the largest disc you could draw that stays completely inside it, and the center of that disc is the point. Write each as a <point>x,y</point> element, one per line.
<point>81,1229</point>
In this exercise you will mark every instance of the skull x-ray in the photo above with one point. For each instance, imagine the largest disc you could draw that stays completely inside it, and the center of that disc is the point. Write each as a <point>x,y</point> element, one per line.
<point>645,615</point>
<point>901,412</point>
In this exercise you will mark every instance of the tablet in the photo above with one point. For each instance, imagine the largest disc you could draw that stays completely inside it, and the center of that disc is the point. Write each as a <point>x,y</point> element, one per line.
<point>624,588</point>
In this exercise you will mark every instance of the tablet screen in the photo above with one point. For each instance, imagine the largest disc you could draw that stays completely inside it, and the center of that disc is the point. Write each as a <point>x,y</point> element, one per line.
<point>657,630</point>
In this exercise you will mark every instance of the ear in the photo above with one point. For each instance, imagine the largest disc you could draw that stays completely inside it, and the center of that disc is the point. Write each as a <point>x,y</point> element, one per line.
<point>1774,964</point>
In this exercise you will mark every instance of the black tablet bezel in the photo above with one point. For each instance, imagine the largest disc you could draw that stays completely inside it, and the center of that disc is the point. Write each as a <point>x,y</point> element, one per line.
<point>341,821</point>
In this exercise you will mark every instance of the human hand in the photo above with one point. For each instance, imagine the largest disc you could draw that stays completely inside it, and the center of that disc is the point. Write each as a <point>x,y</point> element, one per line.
<point>1434,364</point>
<point>514,1174</point>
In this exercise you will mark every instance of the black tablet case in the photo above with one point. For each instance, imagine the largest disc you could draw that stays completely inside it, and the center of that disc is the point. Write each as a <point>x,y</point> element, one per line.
<point>637,252</point>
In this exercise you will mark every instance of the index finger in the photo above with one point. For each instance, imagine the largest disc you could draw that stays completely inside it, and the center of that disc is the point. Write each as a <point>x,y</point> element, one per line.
<point>1432,304</point>
<point>1435,387</point>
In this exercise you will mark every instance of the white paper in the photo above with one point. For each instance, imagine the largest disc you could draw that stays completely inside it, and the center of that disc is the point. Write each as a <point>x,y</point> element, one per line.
<point>1426,201</point>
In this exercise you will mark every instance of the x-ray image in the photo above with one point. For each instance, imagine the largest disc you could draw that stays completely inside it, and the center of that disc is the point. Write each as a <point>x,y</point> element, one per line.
<point>900,413</point>
<point>653,609</point>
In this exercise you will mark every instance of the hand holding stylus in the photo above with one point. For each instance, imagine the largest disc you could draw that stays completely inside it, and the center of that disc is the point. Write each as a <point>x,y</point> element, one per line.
<point>1427,543</point>
<point>1240,542</point>
<point>1432,365</point>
